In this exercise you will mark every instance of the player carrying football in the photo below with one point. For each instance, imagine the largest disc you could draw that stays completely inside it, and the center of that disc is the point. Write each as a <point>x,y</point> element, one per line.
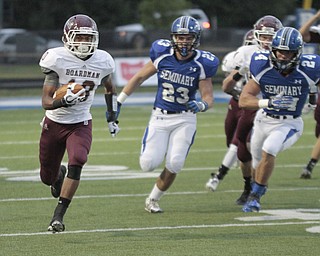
<point>67,124</point>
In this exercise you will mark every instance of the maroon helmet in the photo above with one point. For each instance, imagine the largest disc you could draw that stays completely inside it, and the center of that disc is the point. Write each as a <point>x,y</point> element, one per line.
<point>80,25</point>
<point>267,25</point>
<point>248,38</point>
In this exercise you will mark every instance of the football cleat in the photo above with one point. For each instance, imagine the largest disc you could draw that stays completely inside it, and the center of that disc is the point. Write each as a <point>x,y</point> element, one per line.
<point>56,226</point>
<point>305,174</point>
<point>56,187</point>
<point>253,204</point>
<point>152,206</point>
<point>213,182</point>
<point>243,198</point>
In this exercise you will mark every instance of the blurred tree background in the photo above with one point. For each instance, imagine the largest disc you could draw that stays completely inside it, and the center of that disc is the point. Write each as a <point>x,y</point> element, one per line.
<point>51,14</point>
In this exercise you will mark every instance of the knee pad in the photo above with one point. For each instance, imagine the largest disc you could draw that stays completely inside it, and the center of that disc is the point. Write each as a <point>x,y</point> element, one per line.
<point>146,164</point>
<point>175,164</point>
<point>243,153</point>
<point>74,172</point>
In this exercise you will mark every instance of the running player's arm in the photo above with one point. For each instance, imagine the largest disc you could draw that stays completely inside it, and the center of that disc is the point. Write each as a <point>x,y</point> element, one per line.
<point>248,98</point>
<point>206,91</point>
<point>143,74</point>
<point>305,29</point>
<point>50,85</point>
<point>229,82</point>
<point>239,70</point>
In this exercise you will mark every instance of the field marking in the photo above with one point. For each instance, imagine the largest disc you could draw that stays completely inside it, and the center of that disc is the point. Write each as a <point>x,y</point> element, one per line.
<point>105,172</point>
<point>160,228</point>
<point>143,195</point>
<point>103,140</point>
<point>119,139</point>
<point>192,150</point>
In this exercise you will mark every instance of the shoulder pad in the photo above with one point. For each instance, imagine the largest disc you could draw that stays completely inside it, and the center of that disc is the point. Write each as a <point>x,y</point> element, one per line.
<point>159,48</point>
<point>209,61</point>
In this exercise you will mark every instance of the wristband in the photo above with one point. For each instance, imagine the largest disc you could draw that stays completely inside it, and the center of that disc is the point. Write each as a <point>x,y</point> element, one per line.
<point>122,97</point>
<point>313,98</point>
<point>205,106</point>
<point>111,101</point>
<point>263,103</point>
<point>112,106</point>
<point>236,77</point>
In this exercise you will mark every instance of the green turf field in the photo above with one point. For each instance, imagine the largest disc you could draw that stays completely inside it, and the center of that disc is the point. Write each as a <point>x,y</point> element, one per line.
<point>107,216</point>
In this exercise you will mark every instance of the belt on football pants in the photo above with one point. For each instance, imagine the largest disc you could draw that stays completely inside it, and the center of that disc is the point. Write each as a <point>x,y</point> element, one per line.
<point>280,117</point>
<point>168,112</point>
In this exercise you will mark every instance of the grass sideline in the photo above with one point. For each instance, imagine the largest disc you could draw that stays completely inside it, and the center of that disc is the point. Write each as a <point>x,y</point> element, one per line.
<point>20,71</point>
<point>107,216</point>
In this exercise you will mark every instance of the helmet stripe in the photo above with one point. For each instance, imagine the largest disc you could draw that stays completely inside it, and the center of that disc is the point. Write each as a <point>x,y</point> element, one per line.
<point>184,22</point>
<point>286,36</point>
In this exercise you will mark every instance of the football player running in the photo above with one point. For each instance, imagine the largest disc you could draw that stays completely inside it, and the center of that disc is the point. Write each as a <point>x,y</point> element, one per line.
<point>264,30</point>
<point>311,34</point>
<point>182,70</point>
<point>67,125</point>
<point>284,77</point>
<point>233,114</point>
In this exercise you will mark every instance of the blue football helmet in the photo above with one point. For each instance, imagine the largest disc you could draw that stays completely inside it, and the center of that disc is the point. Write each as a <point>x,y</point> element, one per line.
<point>185,25</point>
<point>286,39</point>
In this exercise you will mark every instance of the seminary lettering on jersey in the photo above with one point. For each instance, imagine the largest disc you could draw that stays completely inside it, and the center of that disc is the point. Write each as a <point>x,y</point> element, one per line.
<point>82,73</point>
<point>176,77</point>
<point>288,90</point>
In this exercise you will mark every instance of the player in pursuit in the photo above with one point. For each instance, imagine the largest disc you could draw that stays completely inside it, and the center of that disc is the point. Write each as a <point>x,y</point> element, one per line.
<point>264,31</point>
<point>182,70</point>
<point>311,34</point>
<point>284,77</point>
<point>232,118</point>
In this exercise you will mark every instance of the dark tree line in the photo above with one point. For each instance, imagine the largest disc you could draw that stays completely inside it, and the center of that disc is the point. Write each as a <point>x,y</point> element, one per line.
<point>51,14</point>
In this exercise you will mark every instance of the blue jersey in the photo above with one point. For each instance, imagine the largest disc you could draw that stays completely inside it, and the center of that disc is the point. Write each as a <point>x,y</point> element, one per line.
<point>178,81</point>
<point>302,80</point>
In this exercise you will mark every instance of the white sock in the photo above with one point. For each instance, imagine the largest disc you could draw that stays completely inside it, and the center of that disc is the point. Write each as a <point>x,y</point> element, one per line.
<point>156,193</point>
<point>231,156</point>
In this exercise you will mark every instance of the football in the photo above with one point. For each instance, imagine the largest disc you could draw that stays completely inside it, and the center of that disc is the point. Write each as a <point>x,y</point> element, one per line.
<point>62,90</point>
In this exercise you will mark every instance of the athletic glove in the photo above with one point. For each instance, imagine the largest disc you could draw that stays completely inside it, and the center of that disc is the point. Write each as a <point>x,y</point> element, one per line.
<point>71,98</point>
<point>280,102</point>
<point>243,71</point>
<point>197,106</point>
<point>113,128</point>
<point>307,108</point>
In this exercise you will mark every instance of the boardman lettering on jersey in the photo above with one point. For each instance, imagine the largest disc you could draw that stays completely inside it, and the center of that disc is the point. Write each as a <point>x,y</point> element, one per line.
<point>82,73</point>
<point>177,78</point>
<point>288,90</point>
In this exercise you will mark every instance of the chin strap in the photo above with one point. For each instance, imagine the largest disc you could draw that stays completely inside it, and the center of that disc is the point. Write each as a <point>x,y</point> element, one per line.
<point>184,51</point>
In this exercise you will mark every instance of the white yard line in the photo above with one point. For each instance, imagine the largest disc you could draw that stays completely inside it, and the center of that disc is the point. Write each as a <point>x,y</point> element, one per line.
<point>143,195</point>
<point>161,228</point>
